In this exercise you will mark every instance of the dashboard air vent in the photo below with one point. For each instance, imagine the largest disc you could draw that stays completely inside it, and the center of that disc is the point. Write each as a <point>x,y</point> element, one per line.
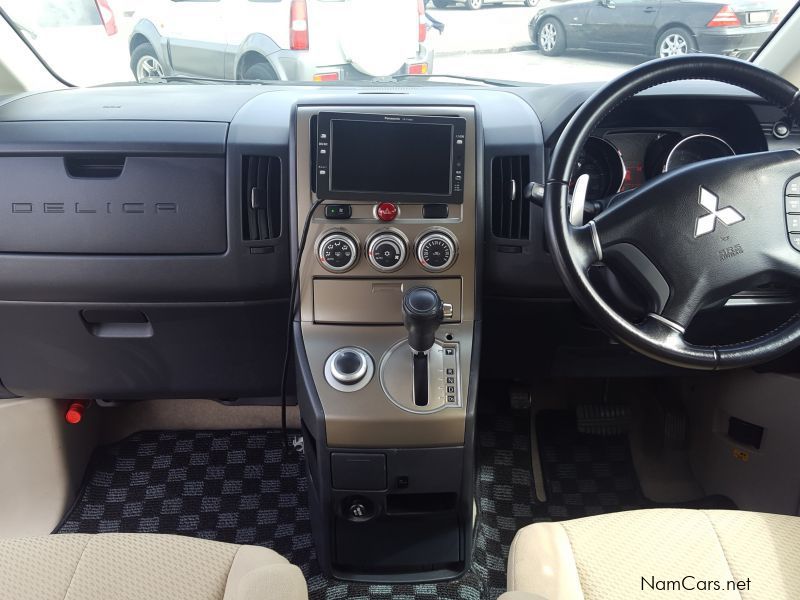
<point>510,213</point>
<point>261,198</point>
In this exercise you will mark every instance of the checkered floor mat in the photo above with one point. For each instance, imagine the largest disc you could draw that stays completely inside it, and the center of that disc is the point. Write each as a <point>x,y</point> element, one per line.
<point>592,474</point>
<point>231,486</point>
<point>584,474</point>
<point>234,486</point>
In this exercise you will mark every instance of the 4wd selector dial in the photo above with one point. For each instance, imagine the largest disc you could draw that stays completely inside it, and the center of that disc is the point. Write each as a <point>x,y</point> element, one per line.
<point>338,252</point>
<point>436,251</point>
<point>386,251</point>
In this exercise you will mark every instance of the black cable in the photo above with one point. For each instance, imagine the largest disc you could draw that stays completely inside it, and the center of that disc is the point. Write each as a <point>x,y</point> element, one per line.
<point>15,26</point>
<point>290,321</point>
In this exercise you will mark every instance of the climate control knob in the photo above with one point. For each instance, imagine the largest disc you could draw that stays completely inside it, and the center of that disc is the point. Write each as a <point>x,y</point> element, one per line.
<point>386,252</point>
<point>436,251</point>
<point>338,252</point>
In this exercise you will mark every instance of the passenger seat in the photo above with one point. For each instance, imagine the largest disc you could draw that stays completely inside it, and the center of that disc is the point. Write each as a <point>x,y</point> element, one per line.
<point>138,566</point>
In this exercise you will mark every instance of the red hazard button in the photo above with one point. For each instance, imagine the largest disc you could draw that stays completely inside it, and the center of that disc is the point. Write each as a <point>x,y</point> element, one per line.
<point>386,211</point>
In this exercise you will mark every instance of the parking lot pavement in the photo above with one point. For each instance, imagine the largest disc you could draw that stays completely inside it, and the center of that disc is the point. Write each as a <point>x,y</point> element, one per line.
<point>492,27</point>
<point>530,65</point>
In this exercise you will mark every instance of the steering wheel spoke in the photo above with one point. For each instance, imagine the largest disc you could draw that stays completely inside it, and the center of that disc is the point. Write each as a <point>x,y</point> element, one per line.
<point>685,300</point>
<point>585,247</point>
<point>672,345</point>
<point>586,241</point>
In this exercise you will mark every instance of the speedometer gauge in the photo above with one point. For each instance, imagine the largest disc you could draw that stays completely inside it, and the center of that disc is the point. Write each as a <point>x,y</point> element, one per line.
<point>696,148</point>
<point>601,160</point>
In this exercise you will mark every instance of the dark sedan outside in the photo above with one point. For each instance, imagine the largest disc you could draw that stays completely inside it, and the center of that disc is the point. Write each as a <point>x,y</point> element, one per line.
<point>655,28</point>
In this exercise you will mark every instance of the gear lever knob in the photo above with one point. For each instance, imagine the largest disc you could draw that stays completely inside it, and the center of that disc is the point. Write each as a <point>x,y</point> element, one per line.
<point>423,312</point>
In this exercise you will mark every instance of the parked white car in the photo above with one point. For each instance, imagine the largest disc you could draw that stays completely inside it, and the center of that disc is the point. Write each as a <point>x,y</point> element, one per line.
<point>294,40</point>
<point>69,34</point>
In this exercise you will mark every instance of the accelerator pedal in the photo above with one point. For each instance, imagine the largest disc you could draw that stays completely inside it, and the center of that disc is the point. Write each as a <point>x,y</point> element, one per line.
<point>666,426</point>
<point>603,419</point>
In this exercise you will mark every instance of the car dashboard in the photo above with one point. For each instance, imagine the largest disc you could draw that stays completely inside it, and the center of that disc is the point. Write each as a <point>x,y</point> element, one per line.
<point>138,262</point>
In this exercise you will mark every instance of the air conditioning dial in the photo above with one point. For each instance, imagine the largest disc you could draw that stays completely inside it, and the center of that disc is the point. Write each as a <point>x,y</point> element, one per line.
<point>436,251</point>
<point>338,252</point>
<point>386,251</point>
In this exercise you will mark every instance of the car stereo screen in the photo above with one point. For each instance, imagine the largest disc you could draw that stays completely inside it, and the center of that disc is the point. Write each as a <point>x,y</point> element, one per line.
<point>405,158</point>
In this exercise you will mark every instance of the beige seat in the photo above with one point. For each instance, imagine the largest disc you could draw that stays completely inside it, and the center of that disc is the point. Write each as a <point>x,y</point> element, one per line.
<point>143,566</point>
<point>660,553</point>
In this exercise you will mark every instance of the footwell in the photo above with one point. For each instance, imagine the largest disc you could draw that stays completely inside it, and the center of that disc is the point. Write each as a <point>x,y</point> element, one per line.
<point>237,486</point>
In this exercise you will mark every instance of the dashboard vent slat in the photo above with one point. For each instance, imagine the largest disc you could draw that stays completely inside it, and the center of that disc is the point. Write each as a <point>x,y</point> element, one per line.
<point>510,213</point>
<point>261,198</point>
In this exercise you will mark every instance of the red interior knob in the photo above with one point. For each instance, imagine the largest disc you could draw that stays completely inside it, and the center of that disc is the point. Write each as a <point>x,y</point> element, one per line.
<point>75,413</point>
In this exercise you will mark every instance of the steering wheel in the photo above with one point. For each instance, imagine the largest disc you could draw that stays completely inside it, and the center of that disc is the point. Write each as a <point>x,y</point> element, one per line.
<point>690,237</point>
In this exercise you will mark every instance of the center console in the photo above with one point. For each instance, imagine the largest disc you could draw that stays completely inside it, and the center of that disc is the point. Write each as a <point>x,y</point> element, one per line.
<point>387,336</point>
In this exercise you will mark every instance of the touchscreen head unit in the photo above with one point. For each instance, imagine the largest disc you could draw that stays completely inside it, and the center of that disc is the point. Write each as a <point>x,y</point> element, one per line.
<point>399,158</point>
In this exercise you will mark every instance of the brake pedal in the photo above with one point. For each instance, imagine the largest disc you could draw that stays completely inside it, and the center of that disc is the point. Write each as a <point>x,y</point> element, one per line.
<point>603,419</point>
<point>519,397</point>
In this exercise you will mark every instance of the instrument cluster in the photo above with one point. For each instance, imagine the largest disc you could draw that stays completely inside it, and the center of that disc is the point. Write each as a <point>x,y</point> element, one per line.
<point>617,161</point>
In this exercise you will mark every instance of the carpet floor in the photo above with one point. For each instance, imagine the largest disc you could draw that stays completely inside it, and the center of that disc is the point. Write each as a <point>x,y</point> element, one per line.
<point>238,487</point>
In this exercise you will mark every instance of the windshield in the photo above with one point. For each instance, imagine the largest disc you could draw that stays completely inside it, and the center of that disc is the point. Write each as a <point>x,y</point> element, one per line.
<point>92,42</point>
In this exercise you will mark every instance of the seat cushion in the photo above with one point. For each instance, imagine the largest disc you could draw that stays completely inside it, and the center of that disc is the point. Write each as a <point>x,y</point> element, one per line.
<point>650,553</point>
<point>137,566</point>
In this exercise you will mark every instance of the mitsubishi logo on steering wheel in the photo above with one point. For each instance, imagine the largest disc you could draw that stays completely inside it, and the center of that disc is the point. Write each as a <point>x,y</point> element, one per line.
<point>707,223</point>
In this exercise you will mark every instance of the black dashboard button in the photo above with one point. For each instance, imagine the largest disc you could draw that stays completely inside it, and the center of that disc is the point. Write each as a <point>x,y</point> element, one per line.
<point>338,211</point>
<point>435,211</point>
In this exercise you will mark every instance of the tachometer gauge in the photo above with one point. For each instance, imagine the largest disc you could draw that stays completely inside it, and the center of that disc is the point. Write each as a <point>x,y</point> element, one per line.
<point>696,148</point>
<point>603,163</point>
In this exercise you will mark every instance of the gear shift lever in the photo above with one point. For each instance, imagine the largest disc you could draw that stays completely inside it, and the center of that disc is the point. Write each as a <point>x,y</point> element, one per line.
<point>423,312</point>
